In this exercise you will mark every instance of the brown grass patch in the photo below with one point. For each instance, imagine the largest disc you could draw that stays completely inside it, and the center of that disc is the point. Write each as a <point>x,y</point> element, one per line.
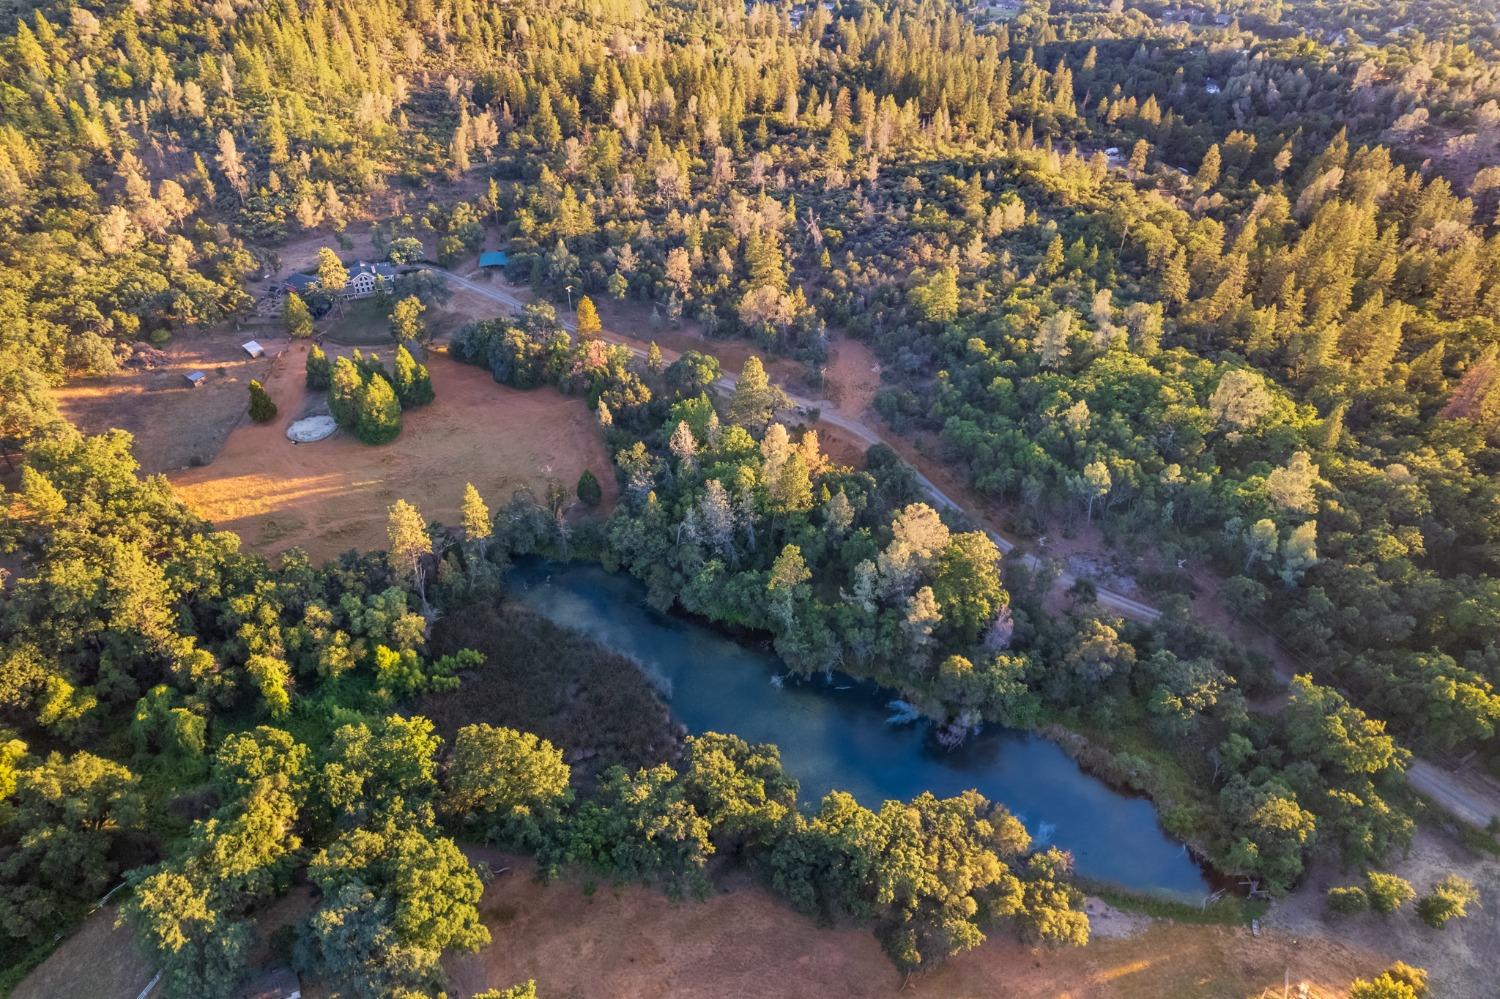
<point>333,495</point>
<point>629,941</point>
<point>565,687</point>
<point>173,423</point>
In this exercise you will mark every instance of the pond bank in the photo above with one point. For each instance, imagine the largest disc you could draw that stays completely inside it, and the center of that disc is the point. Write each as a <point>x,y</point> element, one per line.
<point>835,732</point>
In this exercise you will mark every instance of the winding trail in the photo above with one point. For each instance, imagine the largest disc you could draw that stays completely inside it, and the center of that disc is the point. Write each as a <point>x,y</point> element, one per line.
<point>1467,795</point>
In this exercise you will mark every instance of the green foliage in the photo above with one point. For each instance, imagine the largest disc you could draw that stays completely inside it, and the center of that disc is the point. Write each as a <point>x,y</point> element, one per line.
<point>1347,900</point>
<point>1449,899</point>
<point>1388,892</point>
<point>297,316</point>
<point>936,298</point>
<point>319,370</point>
<point>1399,981</point>
<point>67,815</point>
<point>589,491</point>
<point>509,784</point>
<point>262,408</point>
<point>333,277</point>
<point>394,897</point>
<point>406,320</point>
<point>526,991</point>
<point>200,950</point>
<point>345,392</point>
<point>927,873</point>
<point>413,383</point>
<point>378,412</point>
<point>641,827</point>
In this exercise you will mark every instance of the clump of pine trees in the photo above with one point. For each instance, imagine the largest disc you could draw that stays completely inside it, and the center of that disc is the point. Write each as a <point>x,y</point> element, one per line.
<point>366,399</point>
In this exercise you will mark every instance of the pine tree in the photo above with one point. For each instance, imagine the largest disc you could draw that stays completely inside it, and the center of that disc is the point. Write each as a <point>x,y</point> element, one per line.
<point>589,325</point>
<point>1208,170</point>
<point>379,411</point>
<point>262,409</point>
<point>755,399</point>
<point>296,315</point>
<point>475,517</point>
<point>319,370</point>
<point>344,390</point>
<point>589,491</point>
<point>412,383</point>
<point>406,532</point>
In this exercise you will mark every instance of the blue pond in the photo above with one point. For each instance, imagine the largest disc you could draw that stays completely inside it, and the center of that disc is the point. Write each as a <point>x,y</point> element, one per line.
<point>839,733</point>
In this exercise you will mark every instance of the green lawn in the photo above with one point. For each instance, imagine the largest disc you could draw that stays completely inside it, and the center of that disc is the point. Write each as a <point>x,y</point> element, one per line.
<point>359,323</point>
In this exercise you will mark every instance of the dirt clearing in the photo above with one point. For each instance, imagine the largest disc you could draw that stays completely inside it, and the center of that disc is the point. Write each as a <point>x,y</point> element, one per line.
<point>851,377</point>
<point>174,424</point>
<point>331,496</point>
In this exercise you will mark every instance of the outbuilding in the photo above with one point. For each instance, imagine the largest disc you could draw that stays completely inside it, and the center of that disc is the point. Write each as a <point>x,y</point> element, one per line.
<point>300,283</point>
<point>494,258</point>
<point>195,378</point>
<point>253,348</point>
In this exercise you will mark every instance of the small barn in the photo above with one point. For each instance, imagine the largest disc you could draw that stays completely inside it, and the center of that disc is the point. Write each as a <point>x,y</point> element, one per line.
<point>195,378</point>
<point>253,348</point>
<point>493,258</point>
<point>300,283</point>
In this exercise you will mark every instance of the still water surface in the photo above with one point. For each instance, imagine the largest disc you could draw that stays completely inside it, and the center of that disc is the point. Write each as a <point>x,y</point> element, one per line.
<point>839,733</point>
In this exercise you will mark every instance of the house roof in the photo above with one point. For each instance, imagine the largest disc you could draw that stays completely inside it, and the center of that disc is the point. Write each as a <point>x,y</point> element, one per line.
<point>494,258</point>
<point>380,270</point>
<point>301,282</point>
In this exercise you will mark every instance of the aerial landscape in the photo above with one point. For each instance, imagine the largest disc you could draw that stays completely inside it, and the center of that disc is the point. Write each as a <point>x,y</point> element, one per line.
<point>639,498</point>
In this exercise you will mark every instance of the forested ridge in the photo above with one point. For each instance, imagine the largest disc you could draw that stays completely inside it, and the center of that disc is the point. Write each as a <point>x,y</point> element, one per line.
<point>1222,280</point>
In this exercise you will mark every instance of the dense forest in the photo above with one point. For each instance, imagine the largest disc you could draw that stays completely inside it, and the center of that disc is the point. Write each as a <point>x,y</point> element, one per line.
<point>1220,279</point>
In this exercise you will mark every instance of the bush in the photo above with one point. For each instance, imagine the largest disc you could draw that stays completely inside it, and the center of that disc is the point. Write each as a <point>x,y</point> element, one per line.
<point>379,412</point>
<point>1387,892</point>
<point>1399,981</point>
<point>262,409</point>
<point>1450,899</point>
<point>1347,900</point>
<point>589,491</point>
<point>319,370</point>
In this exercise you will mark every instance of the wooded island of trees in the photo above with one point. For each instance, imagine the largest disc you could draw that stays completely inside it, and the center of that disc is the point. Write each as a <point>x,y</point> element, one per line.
<point>1216,283</point>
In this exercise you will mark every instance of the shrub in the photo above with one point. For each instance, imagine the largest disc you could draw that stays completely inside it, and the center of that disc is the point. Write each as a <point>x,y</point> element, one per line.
<point>1387,892</point>
<point>262,409</point>
<point>1450,899</point>
<point>1347,900</point>
<point>379,412</point>
<point>1399,981</point>
<point>589,491</point>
